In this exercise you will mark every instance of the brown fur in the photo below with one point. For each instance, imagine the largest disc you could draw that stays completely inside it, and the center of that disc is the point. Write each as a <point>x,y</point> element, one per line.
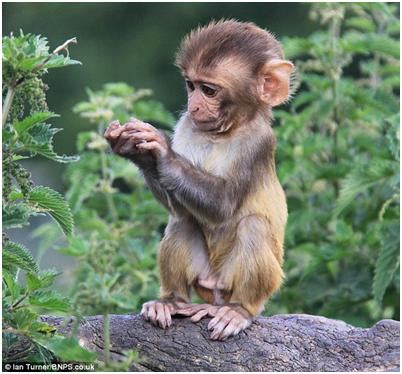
<point>232,192</point>
<point>217,179</point>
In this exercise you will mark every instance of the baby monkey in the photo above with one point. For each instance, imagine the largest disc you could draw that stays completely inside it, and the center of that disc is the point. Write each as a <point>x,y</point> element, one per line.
<point>217,178</point>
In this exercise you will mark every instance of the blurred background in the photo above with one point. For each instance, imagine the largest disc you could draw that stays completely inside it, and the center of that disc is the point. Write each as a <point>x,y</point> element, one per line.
<point>133,43</point>
<point>338,148</point>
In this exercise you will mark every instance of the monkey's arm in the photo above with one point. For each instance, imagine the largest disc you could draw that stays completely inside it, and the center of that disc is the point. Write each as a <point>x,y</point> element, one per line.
<point>124,144</point>
<point>167,199</point>
<point>206,196</point>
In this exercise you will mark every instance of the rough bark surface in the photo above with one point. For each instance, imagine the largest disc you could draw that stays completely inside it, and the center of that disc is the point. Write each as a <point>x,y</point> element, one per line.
<point>281,343</point>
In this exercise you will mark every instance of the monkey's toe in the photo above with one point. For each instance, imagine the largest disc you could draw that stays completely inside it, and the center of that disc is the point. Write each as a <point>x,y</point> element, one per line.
<point>158,313</point>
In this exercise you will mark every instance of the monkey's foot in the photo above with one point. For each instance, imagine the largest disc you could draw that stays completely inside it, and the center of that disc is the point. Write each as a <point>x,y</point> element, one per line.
<point>160,312</point>
<point>199,311</point>
<point>228,320</point>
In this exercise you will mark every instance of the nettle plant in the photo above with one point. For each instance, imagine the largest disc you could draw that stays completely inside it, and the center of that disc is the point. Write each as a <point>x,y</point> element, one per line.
<point>339,152</point>
<point>26,134</point>
<point>118,223</point>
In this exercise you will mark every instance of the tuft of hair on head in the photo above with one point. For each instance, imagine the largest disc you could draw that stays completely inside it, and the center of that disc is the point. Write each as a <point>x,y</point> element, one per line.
<point>207,46</point>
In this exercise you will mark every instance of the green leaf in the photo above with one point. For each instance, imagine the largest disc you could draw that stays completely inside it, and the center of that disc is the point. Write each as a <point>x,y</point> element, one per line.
<point>42,280</point>
<point>47,200</point>
<point>388,259</point>
<point>17,255</point>
<point>43,328</point>
<point>32,120</point>
<point>22,319</point>
<point>15,216</point>
<point>12,285</point>
<point>67,349</point>
<point>360,180</point>
<point>363,24</point>
<point>76,247</point>
<point>51,300</point>
<point>29,54</point>
<point>60,61</point>
<point>39,140</point>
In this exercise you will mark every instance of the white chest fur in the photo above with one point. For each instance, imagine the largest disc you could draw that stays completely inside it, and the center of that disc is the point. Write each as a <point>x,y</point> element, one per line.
<point>188,142</point>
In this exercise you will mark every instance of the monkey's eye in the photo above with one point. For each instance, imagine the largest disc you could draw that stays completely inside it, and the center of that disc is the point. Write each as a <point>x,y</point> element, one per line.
<point>190,85</point>
<point>208,90</point>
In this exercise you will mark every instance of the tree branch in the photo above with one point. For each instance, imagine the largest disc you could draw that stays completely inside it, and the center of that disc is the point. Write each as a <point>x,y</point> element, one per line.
<point>295,342</point>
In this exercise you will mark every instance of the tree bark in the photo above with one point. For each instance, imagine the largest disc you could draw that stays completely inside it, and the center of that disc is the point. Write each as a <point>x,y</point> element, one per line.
<point>296,342</point>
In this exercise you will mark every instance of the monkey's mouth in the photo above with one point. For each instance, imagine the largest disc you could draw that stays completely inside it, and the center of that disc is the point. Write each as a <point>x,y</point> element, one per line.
<point>209,125</point>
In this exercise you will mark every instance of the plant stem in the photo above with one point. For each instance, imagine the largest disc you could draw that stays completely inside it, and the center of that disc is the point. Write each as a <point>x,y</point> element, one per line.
<point>108,197</point>
<point>19,301</point>
<point>7,103</point>
<point>335,75</point>
<point>106,338</point>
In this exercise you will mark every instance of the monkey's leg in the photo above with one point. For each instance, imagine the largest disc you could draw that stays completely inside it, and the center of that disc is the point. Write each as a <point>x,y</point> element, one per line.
<point>252,272</point>
<point>182,257</point>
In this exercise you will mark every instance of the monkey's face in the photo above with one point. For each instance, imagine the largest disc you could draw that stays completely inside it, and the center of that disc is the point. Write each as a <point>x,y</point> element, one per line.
<point>203,104</point>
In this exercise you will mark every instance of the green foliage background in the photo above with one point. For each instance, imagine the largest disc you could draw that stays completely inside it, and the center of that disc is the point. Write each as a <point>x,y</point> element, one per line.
<point>338,154</point>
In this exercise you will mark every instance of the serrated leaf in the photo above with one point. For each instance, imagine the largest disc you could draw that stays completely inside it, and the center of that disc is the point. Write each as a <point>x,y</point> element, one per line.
<point>47,200</point>
<point>59,61</point>
<point>67,349</point>
<point>22,319</point>
<point>42,280</point>
<point>29,53</point>
<point>388,259</point>
<point>15,216</point>
<point>17,255</point>
<point>50,300</point>
<point>360,180</point>
<point>12,285</point>
<point>32,120</point>
<point>39,140</point>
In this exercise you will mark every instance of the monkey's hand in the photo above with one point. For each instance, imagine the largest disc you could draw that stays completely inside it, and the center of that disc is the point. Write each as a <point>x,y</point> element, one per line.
<point>228,319</point>
<point>123,143</point>
<point>159,312</point>
<point>148,138</point>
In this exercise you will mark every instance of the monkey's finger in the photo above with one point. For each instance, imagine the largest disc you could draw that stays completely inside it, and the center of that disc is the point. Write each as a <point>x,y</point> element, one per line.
<point>125,147</point>
<point>191,309</point>
<point>115,132</point>
<point>144,312</point>
<point>145,126</point>
<point>160,315</point>
<point>219,327</point>
<point>221,314</point>
<point>184,305</point>
<point>187,312</point>
<point>129,126</point>
<point>168,317</point>
<point>199,316</point>
<point>230,330</point>
<point>112,126</point>
<point>152,314</point>
<point>153,146</point>
<point>148,136</point>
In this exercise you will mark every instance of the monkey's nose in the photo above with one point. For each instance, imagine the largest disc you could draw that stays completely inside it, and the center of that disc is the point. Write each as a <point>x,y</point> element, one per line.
<point>194,109</point>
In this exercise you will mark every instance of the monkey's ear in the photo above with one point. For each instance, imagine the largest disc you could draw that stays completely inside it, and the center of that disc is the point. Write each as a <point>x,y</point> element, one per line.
<point>274,84</point>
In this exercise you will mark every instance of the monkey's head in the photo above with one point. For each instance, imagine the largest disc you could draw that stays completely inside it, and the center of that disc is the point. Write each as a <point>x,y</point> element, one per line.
<point>232,70</point>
